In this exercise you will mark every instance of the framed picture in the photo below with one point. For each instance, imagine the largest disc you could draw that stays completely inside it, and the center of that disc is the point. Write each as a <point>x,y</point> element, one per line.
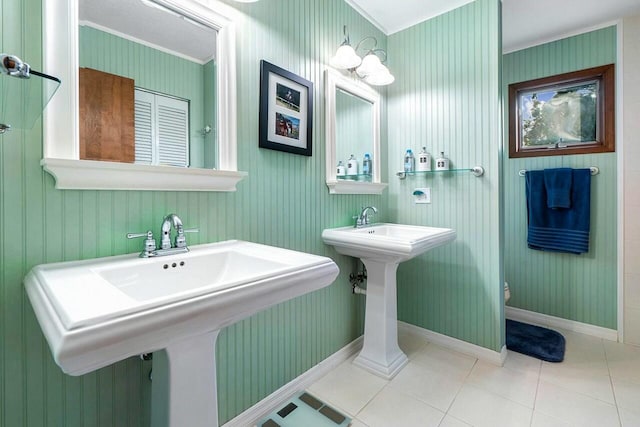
<point>286,110</point>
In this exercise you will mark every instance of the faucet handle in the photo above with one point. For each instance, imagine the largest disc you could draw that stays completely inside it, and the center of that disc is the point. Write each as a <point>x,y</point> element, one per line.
<point>149,242</point>
<point>181,240</point>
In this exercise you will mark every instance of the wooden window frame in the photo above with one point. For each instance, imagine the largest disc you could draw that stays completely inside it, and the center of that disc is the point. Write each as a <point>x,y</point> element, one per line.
<point>605,130</point>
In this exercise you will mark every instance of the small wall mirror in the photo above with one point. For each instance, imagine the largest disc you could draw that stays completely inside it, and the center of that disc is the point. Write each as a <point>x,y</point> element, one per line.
<point>151,85</point>
<point>353,136</point>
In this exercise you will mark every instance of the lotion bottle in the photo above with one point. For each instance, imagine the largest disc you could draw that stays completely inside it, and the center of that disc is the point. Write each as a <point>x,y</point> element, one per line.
<point>352,166</point>
<point>442,163</point>
<point>424,160</point>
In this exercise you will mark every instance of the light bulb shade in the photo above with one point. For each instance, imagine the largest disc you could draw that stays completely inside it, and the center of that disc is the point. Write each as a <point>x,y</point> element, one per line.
<point>381,78</point>
<point>370,65</point>
<point>345,58</point>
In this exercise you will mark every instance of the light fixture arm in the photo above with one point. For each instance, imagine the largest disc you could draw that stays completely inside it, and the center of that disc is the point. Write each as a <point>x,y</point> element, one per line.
<point>375,43</point>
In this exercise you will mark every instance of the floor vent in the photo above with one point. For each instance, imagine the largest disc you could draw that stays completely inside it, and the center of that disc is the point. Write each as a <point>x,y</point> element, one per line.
<point>305,410</point>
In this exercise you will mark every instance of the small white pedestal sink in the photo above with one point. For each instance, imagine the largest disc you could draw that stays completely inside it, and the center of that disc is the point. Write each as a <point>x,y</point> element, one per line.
<point>96,312</point>
<point>381,247</point>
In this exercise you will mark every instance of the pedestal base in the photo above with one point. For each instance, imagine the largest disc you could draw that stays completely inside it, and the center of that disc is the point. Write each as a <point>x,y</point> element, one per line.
<point>380,353</point>
<point>183,392</point>
<point>386,371</point>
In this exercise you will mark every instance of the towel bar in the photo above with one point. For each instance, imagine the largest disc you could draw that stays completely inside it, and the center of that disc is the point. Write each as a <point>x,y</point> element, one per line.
<point>594,171</point>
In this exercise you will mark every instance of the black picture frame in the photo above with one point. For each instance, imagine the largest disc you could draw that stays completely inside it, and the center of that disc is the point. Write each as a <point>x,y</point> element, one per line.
<point>286,110</point>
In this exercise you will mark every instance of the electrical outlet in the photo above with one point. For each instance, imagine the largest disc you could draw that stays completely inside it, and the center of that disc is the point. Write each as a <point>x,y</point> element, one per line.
<point>422,196</point>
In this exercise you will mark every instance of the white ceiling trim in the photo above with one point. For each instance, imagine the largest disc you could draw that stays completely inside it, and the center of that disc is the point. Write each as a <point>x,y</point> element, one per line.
<point>367,16</point>
<point>142,42</point>
<point>544,40</point>
<point>406,23</point>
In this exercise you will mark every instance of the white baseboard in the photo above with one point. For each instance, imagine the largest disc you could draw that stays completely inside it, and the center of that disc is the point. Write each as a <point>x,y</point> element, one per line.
<point>482,353</point>
<point>251,416</point>
<point>539,319</point>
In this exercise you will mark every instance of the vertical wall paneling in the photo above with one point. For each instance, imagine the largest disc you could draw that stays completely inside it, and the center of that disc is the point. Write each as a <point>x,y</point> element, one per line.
<point>446,98</point>
<point>575,287</point>
<point>283,202</point>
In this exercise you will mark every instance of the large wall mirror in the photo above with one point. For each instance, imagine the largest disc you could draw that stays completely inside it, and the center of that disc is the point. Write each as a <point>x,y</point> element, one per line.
<point>150,100</point>
<point>353,132</point>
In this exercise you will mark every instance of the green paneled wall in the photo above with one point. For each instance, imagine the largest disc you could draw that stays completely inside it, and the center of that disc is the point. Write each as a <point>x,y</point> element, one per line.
<point>156,71</point>
<point>446,98</point>
<point>283,202</point>
<point>575,287</point>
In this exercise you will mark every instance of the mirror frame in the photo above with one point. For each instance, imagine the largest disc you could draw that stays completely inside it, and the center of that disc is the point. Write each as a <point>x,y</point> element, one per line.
<point>61,140</point>
<point>334,80</point>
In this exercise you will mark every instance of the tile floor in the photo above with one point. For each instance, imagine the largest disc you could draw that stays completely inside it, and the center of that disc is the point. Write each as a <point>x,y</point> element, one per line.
<point>598,384</point>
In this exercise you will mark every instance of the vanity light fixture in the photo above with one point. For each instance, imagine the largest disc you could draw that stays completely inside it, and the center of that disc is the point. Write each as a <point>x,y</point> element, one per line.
<point>370,68</point>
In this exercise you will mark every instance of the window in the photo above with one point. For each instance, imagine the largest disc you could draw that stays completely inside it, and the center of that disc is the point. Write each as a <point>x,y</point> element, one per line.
<point>162,129</point>
<point>571,113</point>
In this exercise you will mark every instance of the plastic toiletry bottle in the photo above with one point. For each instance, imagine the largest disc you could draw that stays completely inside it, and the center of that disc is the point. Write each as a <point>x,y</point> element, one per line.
<point>352,166</point>
<point>424,160</point>
<point>367,164</point>
<point>409,161</point>
<point>340,170</point>
<point>442,163</point>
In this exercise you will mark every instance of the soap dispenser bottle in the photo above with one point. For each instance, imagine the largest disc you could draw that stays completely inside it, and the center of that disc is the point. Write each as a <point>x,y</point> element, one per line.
<point>442,163</point>
<point>352,166</point>
<point>424,160</point>
<point>409,161</point>
<point>340,170</point>
<point>367,165</point>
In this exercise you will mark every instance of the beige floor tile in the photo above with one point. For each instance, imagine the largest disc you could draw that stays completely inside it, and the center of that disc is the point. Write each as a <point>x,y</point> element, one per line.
<point>581,347</point>
<point>627,395</point>
<point>522,363</point>
<point>410,343</point>
<point>449,421</point>
<point>432,387</point>
<point>518,386</point>
<point>574,408</point>
<point>542,420</point>
<point>481,408</point>
<point>393,408</point>
<point>348,388</point>
<point>446,361</point>
<point>589,378</point>
<point>629,418</point>
<point>358,423</point>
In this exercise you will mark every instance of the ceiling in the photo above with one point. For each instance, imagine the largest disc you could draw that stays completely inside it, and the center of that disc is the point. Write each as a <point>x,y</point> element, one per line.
<point>155,26</point>
<point>524,22</point>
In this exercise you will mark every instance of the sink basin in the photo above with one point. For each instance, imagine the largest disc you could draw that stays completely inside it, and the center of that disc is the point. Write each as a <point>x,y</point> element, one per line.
<point>96,312</point>
<point>392,242</point>
<point>381,247</point>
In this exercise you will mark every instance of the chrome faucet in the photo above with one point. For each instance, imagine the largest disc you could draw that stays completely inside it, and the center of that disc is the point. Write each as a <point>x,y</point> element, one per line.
<point>180,244</point>
<point>175,221</point>
<point>363,218</point>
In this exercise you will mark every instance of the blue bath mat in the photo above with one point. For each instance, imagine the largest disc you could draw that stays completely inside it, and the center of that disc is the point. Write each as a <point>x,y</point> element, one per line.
<point>534,341</point>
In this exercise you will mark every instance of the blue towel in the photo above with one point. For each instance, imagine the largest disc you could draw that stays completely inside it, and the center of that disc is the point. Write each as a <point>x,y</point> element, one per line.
<point>557,182</point>
<point>559,230</point>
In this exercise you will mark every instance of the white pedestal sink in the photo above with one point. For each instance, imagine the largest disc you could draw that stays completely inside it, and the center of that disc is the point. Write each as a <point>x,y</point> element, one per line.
<point>381,247</point>
<point>96,312</point>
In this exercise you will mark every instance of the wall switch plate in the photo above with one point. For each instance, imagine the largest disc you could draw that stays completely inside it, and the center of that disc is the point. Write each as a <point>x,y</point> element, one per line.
<point>422,196</point>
